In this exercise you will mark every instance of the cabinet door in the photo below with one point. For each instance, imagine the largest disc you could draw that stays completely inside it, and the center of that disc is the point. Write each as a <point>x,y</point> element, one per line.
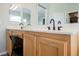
<point>50,47</point>
<point>8,43</point>
<point>29,44</point>
<point>17,33</point>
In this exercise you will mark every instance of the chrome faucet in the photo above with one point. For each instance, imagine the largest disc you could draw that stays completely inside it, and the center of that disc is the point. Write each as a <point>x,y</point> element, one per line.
<point>53,23</point>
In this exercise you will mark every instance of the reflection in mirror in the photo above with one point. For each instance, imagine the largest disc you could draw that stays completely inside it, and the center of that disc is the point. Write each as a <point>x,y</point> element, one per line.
<point>26,16</point>
<point>41,15</point>
<point>73,17</point>
<point>14,13</point>
<point>19,14</point>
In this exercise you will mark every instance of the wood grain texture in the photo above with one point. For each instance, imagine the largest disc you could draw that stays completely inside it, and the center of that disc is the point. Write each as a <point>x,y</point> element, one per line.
<point>46,44</point>
<point>74,44</point>
<point>8,41</point>
<point>50,47</point>
<point>29,44</point>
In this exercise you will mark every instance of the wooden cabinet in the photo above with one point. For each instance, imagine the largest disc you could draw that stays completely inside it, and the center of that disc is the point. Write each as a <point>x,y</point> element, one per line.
<point>50,47</point>
<point>29,44</point>
<point>8,45</point>
<point>45,44</point>
<point>9,42</point>
<point>78,44</point>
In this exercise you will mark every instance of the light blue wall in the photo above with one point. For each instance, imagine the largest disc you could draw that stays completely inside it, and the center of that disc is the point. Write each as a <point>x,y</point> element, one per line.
<point>59,11</point>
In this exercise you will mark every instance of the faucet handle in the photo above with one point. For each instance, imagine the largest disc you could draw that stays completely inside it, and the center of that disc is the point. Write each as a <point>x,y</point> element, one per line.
<point>59,22</point>
<point>48,27</point>
<point>59,25</point>
<point>21,25</point>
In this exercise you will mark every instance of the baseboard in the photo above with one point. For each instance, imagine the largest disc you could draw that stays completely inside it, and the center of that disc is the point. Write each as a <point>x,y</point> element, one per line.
<point>3,53</point>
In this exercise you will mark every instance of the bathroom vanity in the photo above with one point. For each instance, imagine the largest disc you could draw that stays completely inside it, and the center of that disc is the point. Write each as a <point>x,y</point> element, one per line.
<point>45,43</point>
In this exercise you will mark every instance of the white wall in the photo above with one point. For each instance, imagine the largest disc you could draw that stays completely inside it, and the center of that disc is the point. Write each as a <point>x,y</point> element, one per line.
<point>3,24</point>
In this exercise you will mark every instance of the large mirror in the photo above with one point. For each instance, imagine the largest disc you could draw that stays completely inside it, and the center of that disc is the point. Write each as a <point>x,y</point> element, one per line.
<point>26,16</point>
<point>19,14</point>
<point>15,13</point>
<point>41,14</point>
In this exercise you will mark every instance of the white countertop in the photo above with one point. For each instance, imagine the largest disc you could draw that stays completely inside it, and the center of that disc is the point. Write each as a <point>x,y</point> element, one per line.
<point>34,29</point>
